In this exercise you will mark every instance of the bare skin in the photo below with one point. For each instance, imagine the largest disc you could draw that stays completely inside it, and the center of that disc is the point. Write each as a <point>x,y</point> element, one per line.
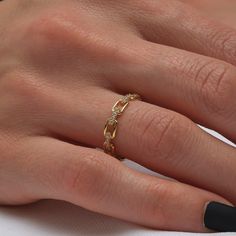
<point>223,10</point>
<point>63,64</point>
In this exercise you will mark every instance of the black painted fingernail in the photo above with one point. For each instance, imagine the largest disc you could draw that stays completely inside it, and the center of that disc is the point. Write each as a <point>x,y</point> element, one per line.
<point>220,217</point>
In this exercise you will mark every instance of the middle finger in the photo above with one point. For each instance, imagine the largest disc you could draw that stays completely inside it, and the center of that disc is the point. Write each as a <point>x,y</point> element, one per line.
<point>200,87</point>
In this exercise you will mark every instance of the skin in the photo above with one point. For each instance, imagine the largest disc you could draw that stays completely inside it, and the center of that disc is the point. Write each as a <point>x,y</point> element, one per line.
<point>222,10</point>
<point>63,64</point>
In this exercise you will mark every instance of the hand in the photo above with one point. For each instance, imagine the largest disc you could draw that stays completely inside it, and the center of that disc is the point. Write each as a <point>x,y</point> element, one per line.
<point>63,64</point>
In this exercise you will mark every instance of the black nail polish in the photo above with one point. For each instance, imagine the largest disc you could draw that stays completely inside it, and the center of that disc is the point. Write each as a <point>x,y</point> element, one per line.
<point>220,217</point>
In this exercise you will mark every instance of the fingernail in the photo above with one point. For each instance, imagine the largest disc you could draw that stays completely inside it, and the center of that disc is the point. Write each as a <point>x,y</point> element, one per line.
<point>220,217</point>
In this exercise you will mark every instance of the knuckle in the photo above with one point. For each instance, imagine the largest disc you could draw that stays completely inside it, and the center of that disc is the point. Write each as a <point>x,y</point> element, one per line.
<point>172,197</point>
<point>162,196</point>
<point>209,75</point>
<point>162,133</point>
<point>57,34</point>
<point>214,81</point>
<point>152,205</point>
<point>224,40</point>
<point>60,35</point>
<point>88,178</point>
<point>51,30</point>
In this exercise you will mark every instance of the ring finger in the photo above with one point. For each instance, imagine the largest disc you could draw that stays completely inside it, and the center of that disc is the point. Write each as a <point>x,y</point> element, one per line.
<point>155,137</point>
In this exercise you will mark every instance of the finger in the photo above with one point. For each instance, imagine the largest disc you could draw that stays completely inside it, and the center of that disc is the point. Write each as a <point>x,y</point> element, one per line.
<point>101,183</point>
<point>160,139</point>
<point>197,86</point>
<point>179,25</point>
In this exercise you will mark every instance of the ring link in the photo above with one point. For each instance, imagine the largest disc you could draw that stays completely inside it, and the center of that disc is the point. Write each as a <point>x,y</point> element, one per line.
<point>110,129</point>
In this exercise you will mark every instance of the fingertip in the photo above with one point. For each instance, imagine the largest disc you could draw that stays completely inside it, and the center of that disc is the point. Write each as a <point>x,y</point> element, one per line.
<point>219,216</point>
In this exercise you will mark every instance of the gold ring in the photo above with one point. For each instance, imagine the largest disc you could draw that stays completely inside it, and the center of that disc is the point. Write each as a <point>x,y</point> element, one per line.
<point>110,129</point>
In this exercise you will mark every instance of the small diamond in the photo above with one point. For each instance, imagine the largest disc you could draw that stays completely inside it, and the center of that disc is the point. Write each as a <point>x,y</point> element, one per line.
<point>114,116</point>
<point>108,135</point>
<point>111,121</point>
<point>125,100</point>
<point>116,111</point>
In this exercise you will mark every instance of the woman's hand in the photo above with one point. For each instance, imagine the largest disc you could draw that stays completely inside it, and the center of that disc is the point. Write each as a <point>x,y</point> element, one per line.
<point>63,64</point>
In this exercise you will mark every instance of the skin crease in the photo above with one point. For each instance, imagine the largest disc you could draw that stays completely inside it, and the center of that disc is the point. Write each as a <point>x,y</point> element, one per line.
<point>63,64</point>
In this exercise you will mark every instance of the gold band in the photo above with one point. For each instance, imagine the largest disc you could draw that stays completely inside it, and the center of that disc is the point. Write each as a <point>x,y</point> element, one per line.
<point>110,128</point>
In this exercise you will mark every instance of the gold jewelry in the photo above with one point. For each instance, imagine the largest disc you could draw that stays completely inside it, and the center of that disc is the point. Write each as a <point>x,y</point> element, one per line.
<point>110,128</point>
